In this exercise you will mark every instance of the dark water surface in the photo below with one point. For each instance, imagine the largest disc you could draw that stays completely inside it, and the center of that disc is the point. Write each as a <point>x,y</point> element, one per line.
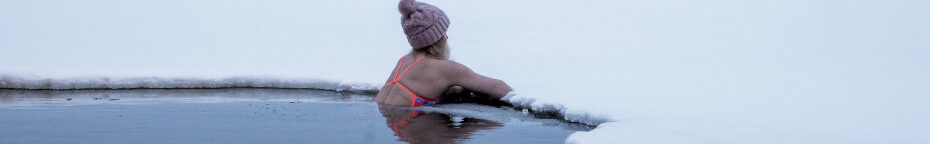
<point>256,116</point>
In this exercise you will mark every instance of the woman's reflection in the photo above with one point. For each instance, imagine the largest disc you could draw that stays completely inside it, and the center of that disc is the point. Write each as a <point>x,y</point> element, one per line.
<point>415,126</point>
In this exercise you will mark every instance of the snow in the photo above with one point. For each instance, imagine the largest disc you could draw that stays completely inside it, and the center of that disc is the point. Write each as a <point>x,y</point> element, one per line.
<point>709,71</point>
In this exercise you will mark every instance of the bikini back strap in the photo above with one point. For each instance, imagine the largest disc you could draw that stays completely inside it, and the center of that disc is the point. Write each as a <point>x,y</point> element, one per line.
<point>411,66</point>
<point>397,72</point>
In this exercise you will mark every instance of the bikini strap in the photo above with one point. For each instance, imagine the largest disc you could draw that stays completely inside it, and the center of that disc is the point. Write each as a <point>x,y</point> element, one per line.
<point>411,66</point>
<point>397,72</point>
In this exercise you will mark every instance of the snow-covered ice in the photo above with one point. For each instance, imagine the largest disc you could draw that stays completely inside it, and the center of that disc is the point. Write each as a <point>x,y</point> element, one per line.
<point>709,71</point>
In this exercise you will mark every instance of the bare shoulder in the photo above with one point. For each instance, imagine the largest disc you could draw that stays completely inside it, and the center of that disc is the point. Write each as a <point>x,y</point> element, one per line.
<point>454,69</point>
<point>451,64</point>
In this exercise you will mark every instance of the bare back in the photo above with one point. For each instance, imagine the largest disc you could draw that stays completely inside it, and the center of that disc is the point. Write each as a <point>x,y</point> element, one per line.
<point>430,77</point>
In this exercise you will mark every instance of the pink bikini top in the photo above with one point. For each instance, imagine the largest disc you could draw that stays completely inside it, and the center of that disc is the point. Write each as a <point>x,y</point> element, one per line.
<point>416,100</point>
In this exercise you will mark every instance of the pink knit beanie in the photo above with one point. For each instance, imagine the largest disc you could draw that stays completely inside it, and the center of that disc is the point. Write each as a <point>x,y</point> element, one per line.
<point>423,23</point>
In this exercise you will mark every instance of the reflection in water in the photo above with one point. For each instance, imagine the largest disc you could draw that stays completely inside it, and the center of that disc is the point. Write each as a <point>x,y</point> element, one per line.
<point>415,126</point>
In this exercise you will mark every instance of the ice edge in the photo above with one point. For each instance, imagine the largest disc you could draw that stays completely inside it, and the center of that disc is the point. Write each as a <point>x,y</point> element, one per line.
<point>102,82</point>
<point>559,110</point>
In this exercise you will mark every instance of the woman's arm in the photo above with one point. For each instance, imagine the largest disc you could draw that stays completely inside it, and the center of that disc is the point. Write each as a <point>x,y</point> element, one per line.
<point>463,76</point>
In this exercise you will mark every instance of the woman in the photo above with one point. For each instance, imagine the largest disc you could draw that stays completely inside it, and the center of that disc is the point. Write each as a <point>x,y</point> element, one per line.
<point>426,73</point>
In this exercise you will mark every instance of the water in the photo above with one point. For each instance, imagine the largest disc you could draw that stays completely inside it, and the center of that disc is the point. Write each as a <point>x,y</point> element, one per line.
<point>257,116</point>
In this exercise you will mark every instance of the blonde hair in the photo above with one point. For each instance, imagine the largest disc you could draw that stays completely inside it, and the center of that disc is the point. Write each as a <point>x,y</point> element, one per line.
<point>438,50</point>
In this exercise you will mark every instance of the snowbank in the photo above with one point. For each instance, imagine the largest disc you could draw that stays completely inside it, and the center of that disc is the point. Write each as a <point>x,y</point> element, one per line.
<point>568,114</point>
